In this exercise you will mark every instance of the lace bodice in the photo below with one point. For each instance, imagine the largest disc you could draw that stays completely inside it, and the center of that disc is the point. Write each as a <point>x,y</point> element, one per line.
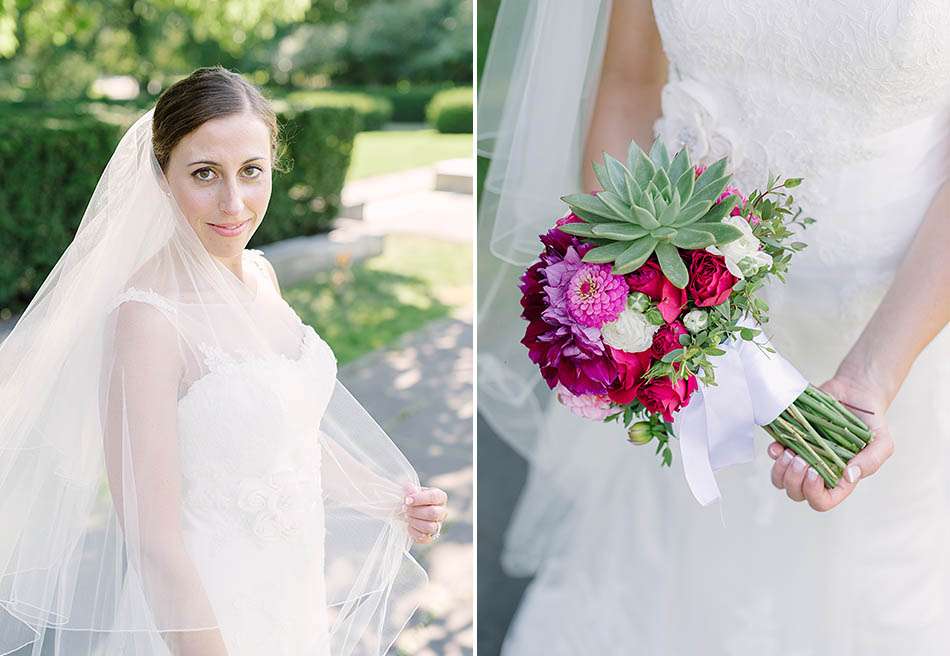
<point>252,482</point>
<point>852,95</point>
<point>249,446</point>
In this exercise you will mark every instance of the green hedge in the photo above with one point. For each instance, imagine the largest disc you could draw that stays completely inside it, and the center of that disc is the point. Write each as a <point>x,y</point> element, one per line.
<point>374,111</point>
<point>409,101</point>
<point>451,111</point>
<point>51,159</point>
<point>306,199</point>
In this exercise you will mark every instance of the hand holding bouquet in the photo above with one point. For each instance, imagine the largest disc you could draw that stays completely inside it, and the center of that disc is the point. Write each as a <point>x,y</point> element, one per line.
<point>644,296</point>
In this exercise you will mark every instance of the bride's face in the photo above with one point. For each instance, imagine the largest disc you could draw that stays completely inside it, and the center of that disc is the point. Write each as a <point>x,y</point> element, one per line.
<point>220,175</point>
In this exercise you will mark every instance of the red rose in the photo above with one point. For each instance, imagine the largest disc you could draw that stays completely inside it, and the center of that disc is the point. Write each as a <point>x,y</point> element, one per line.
<point>650,280</point>
<point>630,368</point>
<point>667,339</point>
<point>710,282</point>
<point>663,396</point>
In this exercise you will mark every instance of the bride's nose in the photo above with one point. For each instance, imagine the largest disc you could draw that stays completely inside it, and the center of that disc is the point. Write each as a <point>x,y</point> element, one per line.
<point>230,201</point>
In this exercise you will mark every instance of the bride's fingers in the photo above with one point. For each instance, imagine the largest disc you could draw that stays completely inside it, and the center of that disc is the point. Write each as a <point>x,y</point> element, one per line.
<point>822,499</point>
<point>427,496</point>
<point>778,469</point>
<point>775,450</point>
<point>870,458</point>
<point>430,528</point>
<point>794,477</point>
<point>429,513</point>
<point>419,536</point>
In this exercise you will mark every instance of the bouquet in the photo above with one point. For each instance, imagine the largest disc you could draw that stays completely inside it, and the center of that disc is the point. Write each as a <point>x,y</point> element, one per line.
<point>645,293</point>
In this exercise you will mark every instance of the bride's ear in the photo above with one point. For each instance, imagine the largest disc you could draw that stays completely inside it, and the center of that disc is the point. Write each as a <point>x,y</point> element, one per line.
<point>160,177</point>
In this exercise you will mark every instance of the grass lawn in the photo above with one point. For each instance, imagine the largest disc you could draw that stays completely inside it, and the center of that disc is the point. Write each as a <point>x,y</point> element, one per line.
<point>387,151</point>
<point>360,308</point>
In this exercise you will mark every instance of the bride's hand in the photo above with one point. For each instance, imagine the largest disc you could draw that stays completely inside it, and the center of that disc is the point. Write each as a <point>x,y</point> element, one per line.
<point>800,482</point>
<point>425,510</point>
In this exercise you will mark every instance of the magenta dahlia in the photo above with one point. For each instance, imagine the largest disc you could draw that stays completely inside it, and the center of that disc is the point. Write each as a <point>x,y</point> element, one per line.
<point>595,296</point>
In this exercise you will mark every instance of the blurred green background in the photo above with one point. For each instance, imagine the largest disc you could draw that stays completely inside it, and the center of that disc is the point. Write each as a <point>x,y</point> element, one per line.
<point>362,88</point>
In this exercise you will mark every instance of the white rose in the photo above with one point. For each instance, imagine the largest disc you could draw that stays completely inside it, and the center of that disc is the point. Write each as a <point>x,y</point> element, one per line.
<point>631,332</point>
<point>743,256</point>
<point>695,321</point>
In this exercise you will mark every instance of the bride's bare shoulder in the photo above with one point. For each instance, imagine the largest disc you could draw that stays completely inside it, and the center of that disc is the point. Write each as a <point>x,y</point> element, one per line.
<point>264,265</point>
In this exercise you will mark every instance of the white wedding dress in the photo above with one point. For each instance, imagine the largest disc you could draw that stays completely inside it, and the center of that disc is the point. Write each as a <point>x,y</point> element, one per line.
<point>252,509</point>
<point>854,96</point>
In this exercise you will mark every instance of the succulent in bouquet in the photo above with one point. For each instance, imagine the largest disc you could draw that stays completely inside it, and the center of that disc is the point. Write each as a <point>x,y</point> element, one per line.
<point>648,287</point>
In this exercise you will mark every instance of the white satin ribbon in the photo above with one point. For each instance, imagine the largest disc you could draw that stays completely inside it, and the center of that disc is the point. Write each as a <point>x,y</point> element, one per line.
<point>716,429</point>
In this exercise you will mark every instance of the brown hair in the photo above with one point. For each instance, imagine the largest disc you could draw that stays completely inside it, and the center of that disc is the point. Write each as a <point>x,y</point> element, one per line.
<point>206,94</point>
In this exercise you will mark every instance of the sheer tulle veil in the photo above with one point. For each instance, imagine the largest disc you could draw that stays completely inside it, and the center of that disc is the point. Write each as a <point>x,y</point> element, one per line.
<point>534,104</point>
<point>91,558</point>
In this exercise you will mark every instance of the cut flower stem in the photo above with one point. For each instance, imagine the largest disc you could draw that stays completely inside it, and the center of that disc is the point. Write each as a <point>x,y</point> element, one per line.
<point>822,431</point>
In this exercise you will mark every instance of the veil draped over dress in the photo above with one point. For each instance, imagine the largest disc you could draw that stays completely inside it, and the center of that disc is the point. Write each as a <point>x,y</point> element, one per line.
<point>178,460</point>
<point>853,96</point>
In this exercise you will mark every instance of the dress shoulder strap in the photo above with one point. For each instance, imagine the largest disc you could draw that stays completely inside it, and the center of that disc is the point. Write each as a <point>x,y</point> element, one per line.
<point>147,296</point>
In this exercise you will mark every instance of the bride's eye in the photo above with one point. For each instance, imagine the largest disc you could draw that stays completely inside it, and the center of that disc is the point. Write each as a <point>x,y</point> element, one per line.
<point>198,174</point>
<point>256,169</point>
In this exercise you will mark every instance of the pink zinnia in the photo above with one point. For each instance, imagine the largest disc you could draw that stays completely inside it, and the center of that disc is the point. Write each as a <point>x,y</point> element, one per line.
<point>595,295</point>
<point>589,406</point>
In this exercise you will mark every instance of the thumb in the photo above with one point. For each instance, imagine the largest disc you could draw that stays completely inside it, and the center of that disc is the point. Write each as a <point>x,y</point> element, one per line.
<point>869,459</point>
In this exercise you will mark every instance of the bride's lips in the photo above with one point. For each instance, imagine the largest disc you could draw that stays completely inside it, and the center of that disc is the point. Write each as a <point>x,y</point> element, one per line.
<point>230,229</point>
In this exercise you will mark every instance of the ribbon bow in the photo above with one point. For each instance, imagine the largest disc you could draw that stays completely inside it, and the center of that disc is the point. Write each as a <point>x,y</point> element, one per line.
<point>716,429</point>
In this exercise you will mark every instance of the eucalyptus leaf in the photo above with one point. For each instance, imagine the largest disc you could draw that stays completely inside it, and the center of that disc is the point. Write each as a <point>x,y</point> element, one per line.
<point>672,355</point>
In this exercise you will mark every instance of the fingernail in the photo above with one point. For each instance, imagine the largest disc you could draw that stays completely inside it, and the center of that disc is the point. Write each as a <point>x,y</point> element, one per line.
<point>798,464</point>
<point>409,501</point>
<point>774,450</point>
<point>812,474</point>
<point>786,457</point>
<point>853,473</point>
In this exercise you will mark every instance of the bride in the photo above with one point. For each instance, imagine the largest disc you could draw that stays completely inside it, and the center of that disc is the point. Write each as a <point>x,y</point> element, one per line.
<point>854,96</point>
<point>180,471</point>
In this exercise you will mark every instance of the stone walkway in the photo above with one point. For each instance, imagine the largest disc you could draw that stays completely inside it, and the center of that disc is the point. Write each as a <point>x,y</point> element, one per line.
<point>420,392</point>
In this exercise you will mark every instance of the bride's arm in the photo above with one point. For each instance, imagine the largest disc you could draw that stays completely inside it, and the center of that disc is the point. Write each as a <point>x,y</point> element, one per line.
<point>631,79</point>
<point>142,462</point>
<point>914,310</point>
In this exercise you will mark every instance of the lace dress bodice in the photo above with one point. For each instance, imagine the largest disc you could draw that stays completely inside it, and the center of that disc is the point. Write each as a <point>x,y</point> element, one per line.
<point>252,499</point>
<point>852,95</point>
